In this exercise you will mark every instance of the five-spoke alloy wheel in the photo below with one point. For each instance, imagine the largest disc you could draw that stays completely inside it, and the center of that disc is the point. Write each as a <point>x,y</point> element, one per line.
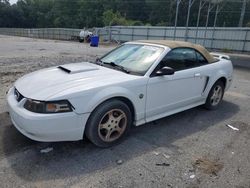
<point>215,95</point>
<point>112,125</point>
<point>109,123</point>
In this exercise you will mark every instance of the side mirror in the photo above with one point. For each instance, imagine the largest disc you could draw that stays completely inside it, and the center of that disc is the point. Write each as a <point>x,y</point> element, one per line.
<point>98,60</point>
<point>165,71</point>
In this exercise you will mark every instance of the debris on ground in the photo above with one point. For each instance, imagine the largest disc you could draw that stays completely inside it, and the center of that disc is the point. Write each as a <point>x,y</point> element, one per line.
<point>192,176</point>
<point>166,156</point>
<point>169,185</point>
<point>234,128</point>
<point>162,164</point>
<point>156,153</point>
<point>208,166</point>
<point>46,150</point>
<point>119,162</point>
<point>191,170</point>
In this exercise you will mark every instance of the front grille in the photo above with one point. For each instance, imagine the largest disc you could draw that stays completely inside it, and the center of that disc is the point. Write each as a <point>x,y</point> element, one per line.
<point>18,95</point>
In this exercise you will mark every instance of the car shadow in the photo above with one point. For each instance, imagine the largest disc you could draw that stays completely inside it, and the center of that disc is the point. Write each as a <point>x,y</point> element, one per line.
<point>72,159</point>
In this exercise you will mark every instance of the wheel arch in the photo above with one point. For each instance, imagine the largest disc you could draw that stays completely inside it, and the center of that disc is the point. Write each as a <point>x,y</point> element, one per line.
<point>115,93</point>
<point>208,105</point>
<point>121,98</point>
<point>223,80</point>
<point>87,132</point>
<point>126,100</point>
<point>219,77</point>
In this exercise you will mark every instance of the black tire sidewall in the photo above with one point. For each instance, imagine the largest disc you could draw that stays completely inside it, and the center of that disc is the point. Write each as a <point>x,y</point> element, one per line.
<point>208,104</point>
<point>91,130</point>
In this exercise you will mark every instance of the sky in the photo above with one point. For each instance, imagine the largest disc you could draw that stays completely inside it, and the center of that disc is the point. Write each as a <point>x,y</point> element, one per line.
<point>12,1</point>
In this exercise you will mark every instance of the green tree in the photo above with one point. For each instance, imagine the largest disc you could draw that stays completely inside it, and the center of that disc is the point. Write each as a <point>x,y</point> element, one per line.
<point>90,13</point>
<point>98,13</point>
<point>111,18</point>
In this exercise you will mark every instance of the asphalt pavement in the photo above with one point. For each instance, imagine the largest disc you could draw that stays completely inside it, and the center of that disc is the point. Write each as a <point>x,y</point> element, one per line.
<point>194,148</point>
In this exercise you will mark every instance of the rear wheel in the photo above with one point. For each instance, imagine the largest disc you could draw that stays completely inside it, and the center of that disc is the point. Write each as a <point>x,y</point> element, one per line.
<point>215,95</point>
<point>109,123</point>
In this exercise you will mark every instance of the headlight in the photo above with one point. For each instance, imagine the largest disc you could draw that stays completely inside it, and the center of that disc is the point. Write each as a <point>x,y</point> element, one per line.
<point>48,106</point>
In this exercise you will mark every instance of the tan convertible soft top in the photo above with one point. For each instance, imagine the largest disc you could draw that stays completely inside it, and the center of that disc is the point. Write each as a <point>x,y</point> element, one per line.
<point>176,44</point>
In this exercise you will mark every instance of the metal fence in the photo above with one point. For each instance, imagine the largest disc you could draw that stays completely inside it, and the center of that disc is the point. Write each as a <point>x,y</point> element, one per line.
<point>44,33</point>
<point>236,39</point>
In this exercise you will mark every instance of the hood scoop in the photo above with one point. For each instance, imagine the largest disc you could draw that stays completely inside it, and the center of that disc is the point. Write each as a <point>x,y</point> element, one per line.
<point>74,68</point>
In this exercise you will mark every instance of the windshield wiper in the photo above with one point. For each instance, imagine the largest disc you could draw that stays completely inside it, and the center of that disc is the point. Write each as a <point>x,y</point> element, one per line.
<point>118,66</point>
<point>100,62</point>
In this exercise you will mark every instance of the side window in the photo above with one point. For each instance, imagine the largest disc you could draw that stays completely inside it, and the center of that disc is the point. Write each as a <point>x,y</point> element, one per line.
<point>180,59</point>
<point>174,59</point>
<point>201,60</point>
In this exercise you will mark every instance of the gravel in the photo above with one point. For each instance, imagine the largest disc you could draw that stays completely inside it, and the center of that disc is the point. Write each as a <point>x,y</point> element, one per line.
<point>201,150</point>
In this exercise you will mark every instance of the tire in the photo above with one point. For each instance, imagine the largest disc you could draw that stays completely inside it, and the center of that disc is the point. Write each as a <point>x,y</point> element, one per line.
<point>215,96</point>
<point>81,40</point>
<point>109,123</point>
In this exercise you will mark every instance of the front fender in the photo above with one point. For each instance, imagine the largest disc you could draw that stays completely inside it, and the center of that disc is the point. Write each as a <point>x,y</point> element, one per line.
<point>108,93</point>
<point>88,102</point>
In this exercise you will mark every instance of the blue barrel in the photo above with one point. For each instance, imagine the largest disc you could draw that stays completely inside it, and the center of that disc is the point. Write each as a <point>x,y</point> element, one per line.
<point>94,41</point>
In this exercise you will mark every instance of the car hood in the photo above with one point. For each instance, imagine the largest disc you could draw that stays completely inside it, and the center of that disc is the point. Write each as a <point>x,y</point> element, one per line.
<point>43,84</point>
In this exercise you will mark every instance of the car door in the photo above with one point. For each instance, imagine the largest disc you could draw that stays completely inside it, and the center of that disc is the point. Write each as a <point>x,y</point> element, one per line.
<point>167,94</point>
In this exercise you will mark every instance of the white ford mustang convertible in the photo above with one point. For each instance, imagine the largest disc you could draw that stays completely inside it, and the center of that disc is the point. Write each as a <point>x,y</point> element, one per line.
<point>135,83</point>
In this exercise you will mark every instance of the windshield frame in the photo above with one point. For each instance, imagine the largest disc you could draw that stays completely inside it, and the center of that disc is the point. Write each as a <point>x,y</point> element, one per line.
<point>142,44</point>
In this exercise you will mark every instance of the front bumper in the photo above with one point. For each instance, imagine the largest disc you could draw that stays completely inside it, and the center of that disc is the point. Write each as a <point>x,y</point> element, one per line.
<point>67,126</point>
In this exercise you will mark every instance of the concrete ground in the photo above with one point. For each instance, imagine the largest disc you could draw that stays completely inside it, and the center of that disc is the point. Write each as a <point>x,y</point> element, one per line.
<point>240,60</point>
<point>193,148</point>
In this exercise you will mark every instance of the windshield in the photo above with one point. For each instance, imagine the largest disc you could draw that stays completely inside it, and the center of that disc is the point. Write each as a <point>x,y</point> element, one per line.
<point>135,57</point>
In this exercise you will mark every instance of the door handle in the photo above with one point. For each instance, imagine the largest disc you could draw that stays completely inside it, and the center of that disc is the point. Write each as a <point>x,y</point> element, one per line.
<point>197,75</point>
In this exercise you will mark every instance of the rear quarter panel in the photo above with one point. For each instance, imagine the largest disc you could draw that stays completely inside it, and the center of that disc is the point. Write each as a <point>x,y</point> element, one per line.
<point>217,70</point>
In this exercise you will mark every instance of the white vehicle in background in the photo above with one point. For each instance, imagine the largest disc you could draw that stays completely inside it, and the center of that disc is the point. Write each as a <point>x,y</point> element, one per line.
<point>137,82</point>
<point>85,36</point>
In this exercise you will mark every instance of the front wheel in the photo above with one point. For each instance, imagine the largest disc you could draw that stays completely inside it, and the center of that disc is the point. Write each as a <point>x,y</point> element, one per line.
<point>215,96</point>
<point>109,123</point>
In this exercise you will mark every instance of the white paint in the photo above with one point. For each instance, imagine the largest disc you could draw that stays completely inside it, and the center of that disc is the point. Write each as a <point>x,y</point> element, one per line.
<point>12,1</point>
<point>88,85</point>
<point>192,176</point>
<point>234,128</point>
<point>166,156</point>
<point>46,150</point>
